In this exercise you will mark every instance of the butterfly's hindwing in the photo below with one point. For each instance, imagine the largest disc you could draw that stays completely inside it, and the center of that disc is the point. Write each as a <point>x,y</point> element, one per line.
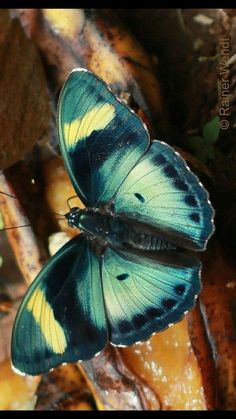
<point>145,293</point>
<point>61,318</point>
<point>101,139</point>
<point>162,192</point>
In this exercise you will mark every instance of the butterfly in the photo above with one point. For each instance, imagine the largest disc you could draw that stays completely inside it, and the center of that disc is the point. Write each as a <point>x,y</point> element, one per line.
<point>130,272</point>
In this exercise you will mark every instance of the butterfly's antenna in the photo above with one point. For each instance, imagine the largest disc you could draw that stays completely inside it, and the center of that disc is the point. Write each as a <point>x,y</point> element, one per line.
<point>26,225</point>
<point>55,213</point>
<point>16,197</point>
<point>69,199</point>
<point>10,228</point>
<point>8,194</point>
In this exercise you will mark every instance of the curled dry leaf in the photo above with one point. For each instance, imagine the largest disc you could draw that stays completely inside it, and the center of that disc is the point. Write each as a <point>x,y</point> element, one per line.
<point>17,392</point>
<point>168,365</point>
<point>97,40</point>
<point>64,388</point>
<point>202,344</point>
<point>24,243</point>
<point>24,107</point>
<point>218,297</point>
<point>115,386</point>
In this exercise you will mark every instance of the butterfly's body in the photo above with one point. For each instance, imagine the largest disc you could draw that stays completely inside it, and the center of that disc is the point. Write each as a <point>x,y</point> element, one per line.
<point>108,229</point>
<point>128,274</point>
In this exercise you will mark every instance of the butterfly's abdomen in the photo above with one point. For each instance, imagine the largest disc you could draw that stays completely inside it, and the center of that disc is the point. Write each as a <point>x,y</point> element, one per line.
<point>145,241</point>
<point>128,234</point>
<point>118,232</point>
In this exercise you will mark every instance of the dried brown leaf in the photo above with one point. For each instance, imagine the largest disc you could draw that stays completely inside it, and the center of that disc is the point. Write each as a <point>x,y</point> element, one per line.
<point>24,106</point>
<point>218,297</point>
<point>64,388</point>
<point>203,349</point>
<point>115,386</point>
<point>24,242</point>
<point>167,363</point>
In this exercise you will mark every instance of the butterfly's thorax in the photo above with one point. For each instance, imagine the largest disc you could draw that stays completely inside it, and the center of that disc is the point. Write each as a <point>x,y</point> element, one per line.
<point>116,231</point>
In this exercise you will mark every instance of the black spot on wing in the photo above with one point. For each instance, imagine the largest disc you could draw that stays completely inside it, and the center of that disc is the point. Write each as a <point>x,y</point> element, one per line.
<point>139,197</point>
<point>179,289</point>
<point>123,276</point>
<point>124,326</point>
<point>159,159</point>
<point>181,185</point>
<point>154,312</point>
<point>139,321</point>
<point>194,216</point>
<point>190,200</point>
<point>170,171</point>
<point>169,303</point>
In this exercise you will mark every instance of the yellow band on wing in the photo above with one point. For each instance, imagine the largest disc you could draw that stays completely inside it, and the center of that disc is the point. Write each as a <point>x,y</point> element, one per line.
<point>50,328</point>
<point>96,119</point>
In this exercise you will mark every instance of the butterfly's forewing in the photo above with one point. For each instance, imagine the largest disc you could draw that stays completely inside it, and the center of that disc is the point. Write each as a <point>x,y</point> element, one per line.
<point>100,138</point>
<point>61,318</point>
<point>162,192</point>
<point>146,293</point>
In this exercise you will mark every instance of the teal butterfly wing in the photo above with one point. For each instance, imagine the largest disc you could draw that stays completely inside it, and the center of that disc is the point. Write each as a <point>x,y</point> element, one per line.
<point>146,292</point>
<point>101,139</point>
<point>162,192</point>
<point>62,316</point>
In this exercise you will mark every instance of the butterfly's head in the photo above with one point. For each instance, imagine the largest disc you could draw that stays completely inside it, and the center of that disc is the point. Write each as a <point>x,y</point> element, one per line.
<point>73,217</point>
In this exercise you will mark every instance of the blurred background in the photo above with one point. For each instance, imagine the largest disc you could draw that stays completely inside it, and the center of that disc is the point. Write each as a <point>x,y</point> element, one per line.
<point>177,69</point>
